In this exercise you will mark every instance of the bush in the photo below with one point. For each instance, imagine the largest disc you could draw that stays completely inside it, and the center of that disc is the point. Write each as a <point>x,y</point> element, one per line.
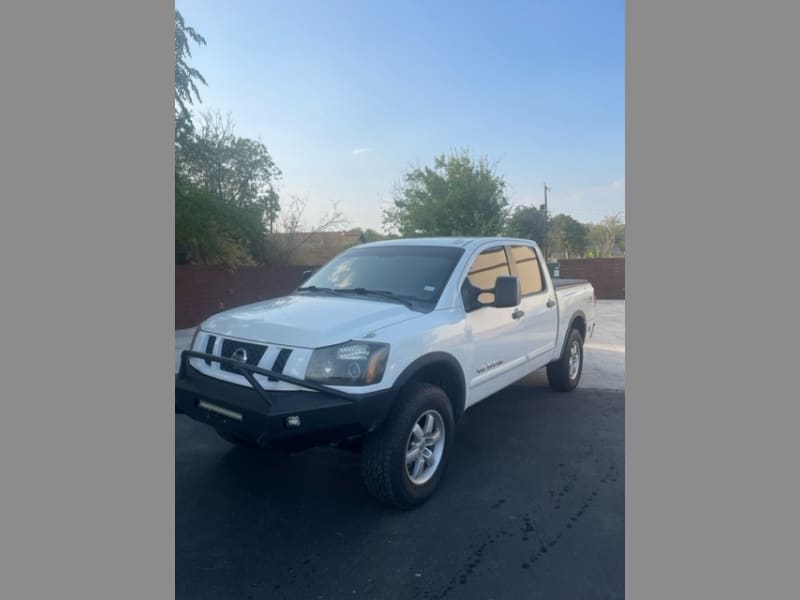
<point>209,231</point>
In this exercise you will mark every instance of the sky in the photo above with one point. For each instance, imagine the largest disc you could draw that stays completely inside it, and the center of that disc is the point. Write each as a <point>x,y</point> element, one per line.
<point>348,95</point>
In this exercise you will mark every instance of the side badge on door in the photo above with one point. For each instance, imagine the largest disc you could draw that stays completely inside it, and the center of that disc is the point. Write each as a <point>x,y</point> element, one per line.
<point>488,366</point>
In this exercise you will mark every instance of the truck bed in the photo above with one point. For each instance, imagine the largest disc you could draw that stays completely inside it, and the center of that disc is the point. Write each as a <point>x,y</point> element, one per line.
<point>575,296</point>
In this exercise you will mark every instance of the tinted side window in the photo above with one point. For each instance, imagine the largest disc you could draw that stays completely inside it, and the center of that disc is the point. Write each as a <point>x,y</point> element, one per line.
<point>528,271</point>
<point>485,269</point>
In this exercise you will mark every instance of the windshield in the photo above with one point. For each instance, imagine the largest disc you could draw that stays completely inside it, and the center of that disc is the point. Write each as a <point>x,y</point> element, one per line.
<point>417,273</point>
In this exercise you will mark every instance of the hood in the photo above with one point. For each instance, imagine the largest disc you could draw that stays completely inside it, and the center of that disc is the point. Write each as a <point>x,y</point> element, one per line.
<point>307,321</point>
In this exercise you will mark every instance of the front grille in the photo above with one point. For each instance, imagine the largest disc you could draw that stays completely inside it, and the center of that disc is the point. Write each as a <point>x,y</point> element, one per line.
<point>280,362</point>
<point>210,347</point>
<point>254,352</point>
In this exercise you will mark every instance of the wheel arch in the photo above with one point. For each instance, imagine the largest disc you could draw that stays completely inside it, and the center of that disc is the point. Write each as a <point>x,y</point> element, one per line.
<point>578,321</point>
<point>441,369</point>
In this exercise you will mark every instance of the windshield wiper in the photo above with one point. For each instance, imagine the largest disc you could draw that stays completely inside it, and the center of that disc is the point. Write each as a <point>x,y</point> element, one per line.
<point>406,300</point>
<point>382,293</point>
<point>314,288</point>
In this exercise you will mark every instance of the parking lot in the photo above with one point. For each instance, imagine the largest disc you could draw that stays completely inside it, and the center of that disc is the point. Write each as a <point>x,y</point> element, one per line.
<point>532,505</point>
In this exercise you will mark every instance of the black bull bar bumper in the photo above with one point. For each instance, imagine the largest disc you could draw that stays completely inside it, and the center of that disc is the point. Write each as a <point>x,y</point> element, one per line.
<point>316,414</point>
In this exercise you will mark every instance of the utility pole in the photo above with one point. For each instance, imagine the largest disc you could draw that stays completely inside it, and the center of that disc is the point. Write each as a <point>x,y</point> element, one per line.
<point>546,227</point>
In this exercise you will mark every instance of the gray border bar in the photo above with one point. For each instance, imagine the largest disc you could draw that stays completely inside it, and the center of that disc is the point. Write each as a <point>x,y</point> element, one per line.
<point>711,406</point>
<point>86,307</point>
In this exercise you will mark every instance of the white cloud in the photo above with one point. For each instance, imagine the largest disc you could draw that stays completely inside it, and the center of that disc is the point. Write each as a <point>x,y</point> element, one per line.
<point>357,151</point>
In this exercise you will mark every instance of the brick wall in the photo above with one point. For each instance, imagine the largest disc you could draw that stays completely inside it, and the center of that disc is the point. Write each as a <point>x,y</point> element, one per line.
<point>606,274</point>
<point>201,291</point>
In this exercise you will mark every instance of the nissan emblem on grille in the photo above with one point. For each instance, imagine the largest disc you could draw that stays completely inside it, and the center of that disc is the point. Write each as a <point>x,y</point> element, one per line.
<point>240,354</point>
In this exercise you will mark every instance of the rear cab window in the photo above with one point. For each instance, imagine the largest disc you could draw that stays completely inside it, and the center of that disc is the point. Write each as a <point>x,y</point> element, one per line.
<point>528,270</point>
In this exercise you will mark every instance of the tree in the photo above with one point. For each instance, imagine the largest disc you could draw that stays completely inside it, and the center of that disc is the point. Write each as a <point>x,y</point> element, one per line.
<point>529,223</point>
<point>186,77</point>
<point>239,171</point>
<point>295,231</point>
<point>458,196</point>
<point>271,206</point>
<point>225,185</point>
<point>370,235</point>
<point>605,235</point>
<point>240,175</point>
<point>568,236</point>
<point>209,231</point>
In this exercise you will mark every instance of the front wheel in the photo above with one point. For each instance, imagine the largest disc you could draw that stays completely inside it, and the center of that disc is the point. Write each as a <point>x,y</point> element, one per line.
<point>564,374</point>
<point>403,461</point>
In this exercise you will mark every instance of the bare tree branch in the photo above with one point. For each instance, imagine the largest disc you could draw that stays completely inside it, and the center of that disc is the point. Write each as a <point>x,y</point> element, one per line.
<point>294,230</point>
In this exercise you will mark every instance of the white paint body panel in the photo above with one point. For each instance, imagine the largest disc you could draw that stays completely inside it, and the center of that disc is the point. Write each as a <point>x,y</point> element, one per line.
<point>475,339</point>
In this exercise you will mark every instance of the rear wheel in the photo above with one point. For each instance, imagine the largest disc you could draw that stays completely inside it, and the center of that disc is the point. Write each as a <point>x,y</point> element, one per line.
<point>564,374</point>
<point>404,460</point>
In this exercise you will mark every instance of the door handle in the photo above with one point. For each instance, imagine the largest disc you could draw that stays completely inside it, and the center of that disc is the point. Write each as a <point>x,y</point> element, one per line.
<point>517,314</point>
<point>550,303</point>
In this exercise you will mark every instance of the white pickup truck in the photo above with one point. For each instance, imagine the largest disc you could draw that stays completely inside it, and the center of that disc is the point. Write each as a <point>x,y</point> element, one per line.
<point>387,344</point>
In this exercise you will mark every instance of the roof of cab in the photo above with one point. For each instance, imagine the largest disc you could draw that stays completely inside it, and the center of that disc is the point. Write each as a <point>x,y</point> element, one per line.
<point>463,242</point>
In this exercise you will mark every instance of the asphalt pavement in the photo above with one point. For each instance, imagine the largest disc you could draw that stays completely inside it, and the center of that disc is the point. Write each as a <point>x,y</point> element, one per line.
<point>532,506</point>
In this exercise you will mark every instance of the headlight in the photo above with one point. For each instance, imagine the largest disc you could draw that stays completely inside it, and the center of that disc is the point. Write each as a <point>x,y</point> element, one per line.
<point>352,363</point>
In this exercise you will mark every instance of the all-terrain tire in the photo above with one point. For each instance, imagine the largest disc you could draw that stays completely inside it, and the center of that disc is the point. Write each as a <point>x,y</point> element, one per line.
<point>384,457</point>
<point>562,375</point>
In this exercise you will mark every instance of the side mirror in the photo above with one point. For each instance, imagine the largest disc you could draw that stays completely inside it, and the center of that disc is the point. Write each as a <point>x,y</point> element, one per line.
<point>306,274</point>
<point>506,292</point>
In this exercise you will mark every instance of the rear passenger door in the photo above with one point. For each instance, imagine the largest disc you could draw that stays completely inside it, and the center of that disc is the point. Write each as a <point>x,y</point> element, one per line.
<point>498,338</point>
<point>540,320</point>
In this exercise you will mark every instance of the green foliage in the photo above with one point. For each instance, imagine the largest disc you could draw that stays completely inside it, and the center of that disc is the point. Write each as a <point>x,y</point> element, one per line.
<point>224,184</point>
<point>213,232</point>
<point>271,206</point>
<point>603,236</point>
<point>458,196</point>
<point>529,223</point>
<point>370,235</point>
<point>568,236</point>
<point>225,194</point>
<point>620,238</point>
<point>186,77</point>
<point>240,171</point>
